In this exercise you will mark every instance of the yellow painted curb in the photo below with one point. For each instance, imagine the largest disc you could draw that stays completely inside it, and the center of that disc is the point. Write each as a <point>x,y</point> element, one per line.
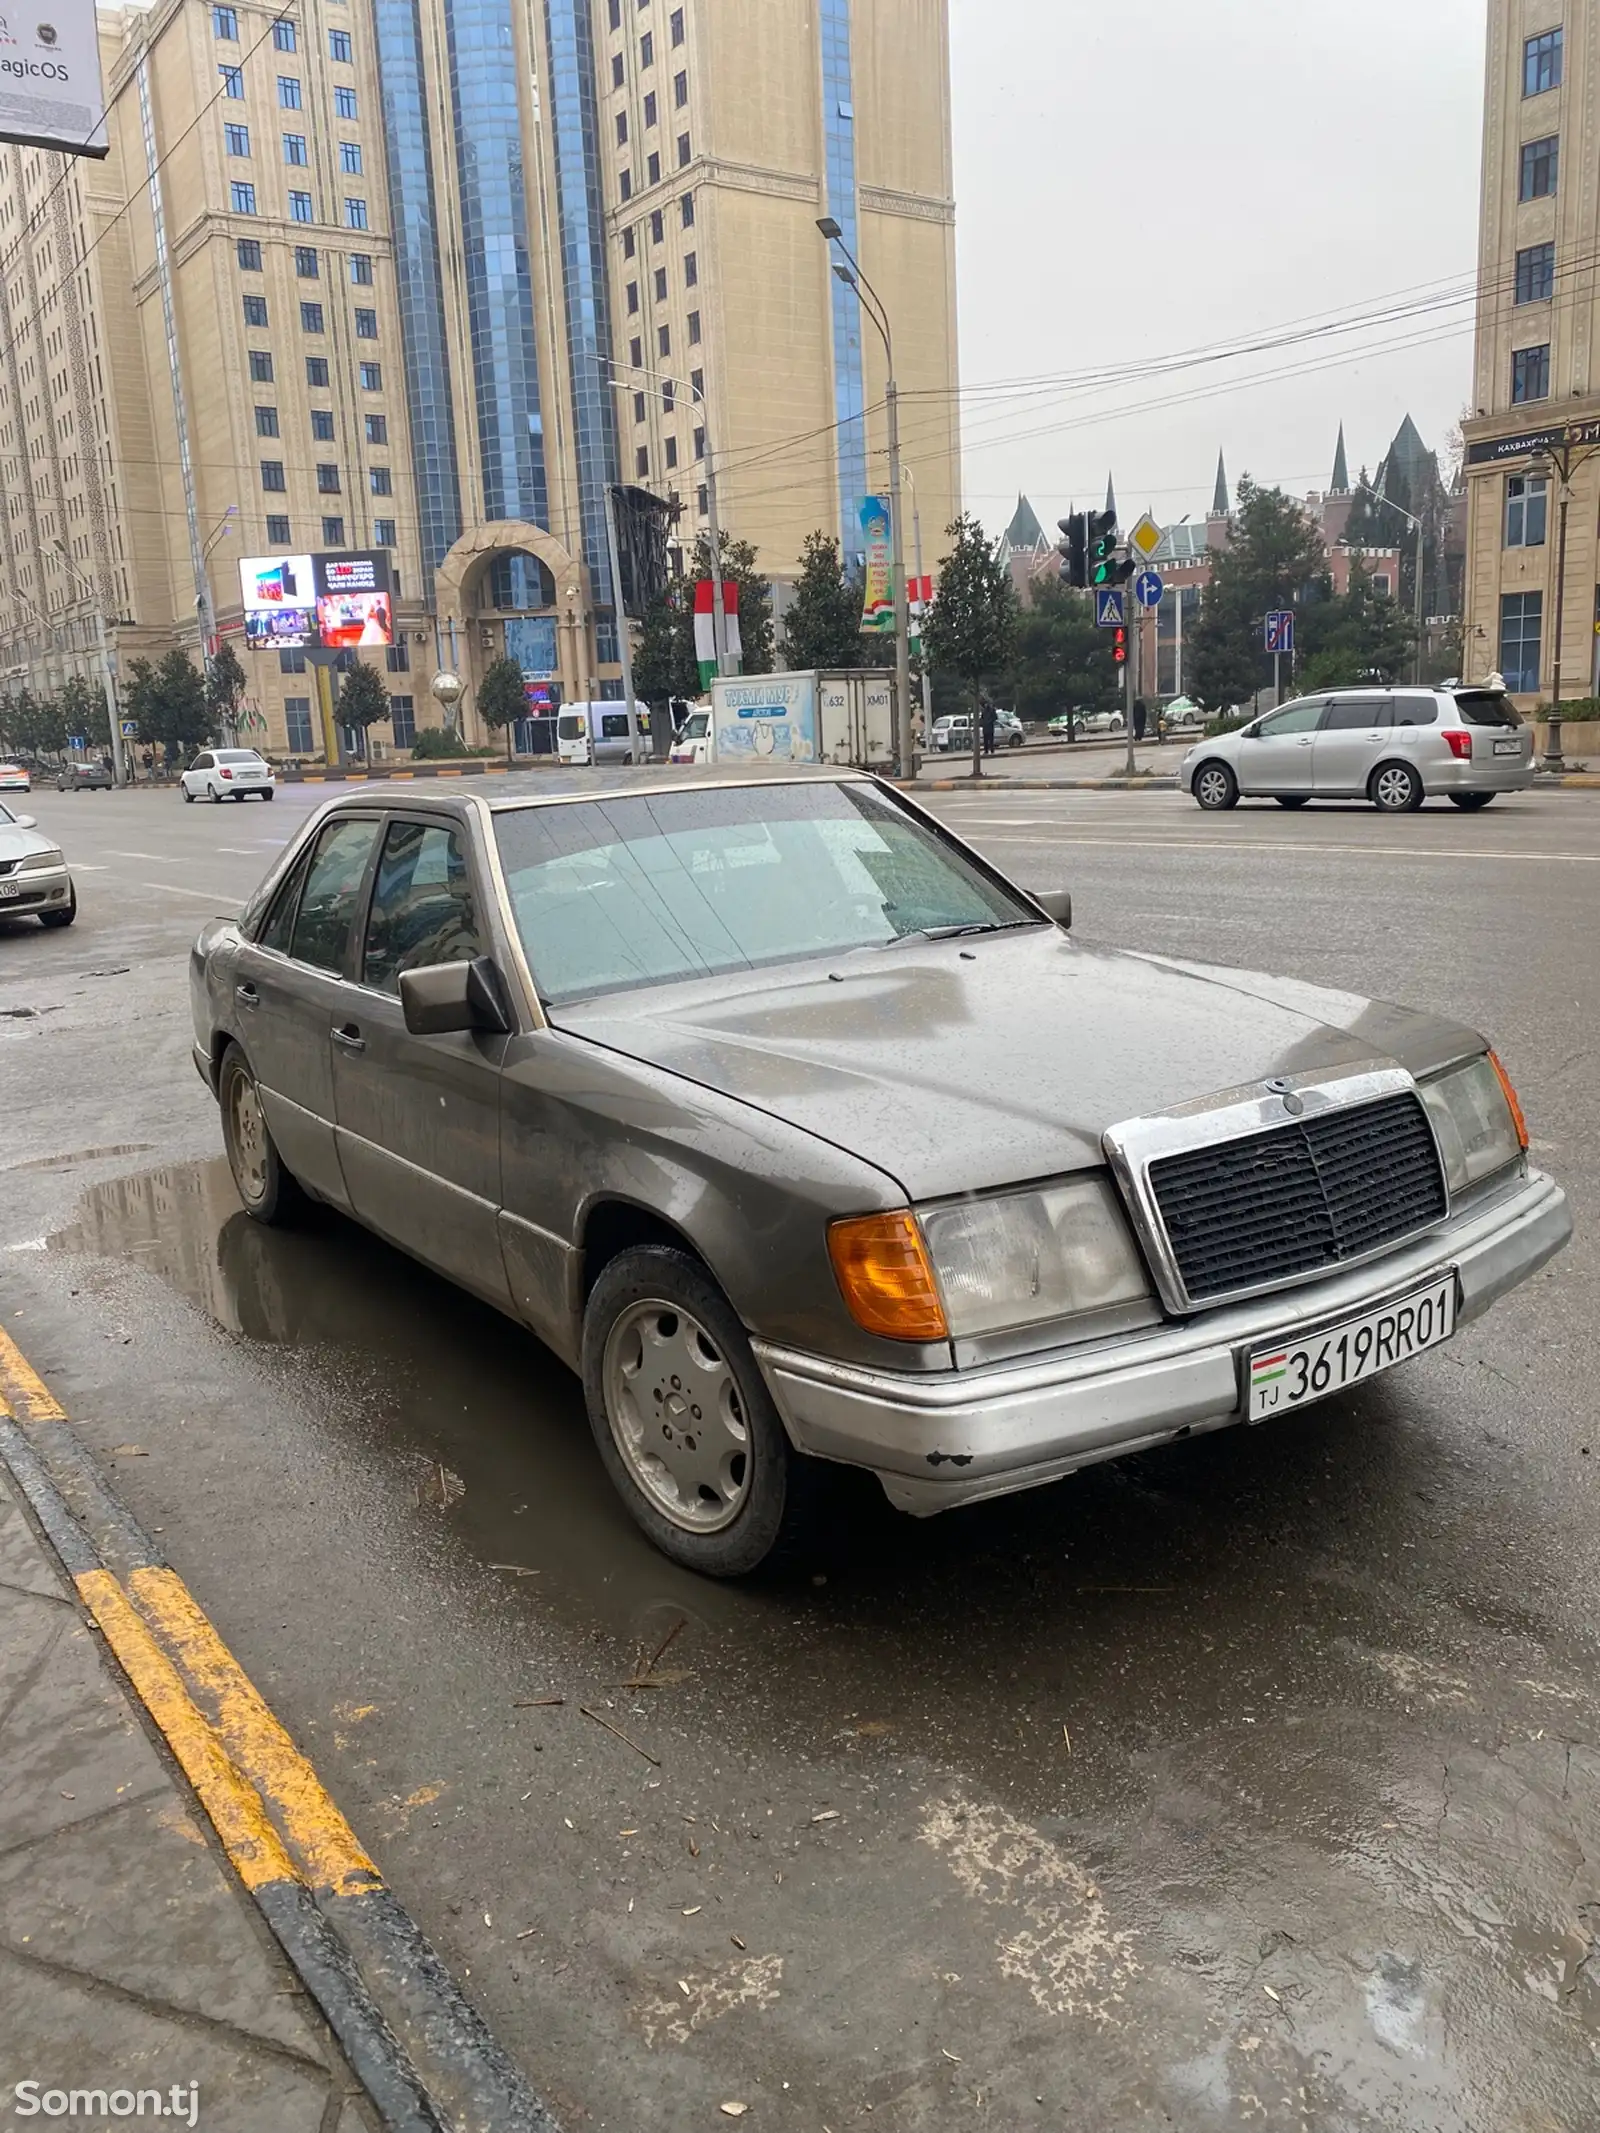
<point>30,1395</point>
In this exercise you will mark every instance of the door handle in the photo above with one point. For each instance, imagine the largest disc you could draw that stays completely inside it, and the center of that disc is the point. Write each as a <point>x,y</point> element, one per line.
<point>348,1035</point>
<point>247,996</point>
<point>1305,742</point>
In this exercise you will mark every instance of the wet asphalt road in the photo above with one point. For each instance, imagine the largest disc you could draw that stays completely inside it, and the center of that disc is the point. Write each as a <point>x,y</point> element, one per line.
<point>1250,1784</point>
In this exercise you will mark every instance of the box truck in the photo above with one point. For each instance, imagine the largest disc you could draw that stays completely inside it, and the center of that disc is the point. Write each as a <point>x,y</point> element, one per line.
<point>844,717</point>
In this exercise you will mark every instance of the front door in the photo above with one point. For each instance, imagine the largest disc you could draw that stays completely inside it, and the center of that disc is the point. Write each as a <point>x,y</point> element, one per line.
<point>419,1117</point>
<point>1350,740</point>
<point>1276,756</point>
<point>287,990</point>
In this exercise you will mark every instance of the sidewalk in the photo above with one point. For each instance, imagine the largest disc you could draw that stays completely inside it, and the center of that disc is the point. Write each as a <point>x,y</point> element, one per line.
<point>131,1959</point>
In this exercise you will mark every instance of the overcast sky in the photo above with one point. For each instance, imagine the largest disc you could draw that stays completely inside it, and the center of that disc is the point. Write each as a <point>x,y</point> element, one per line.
<point>1271,164</point>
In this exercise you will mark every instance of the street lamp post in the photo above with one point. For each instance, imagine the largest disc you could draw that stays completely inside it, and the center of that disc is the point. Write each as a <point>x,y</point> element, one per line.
<point>872,304</point>
<point>108,671</point>
<point>1562,461</point>
<point>1416,525</point>
<point>719,632</point>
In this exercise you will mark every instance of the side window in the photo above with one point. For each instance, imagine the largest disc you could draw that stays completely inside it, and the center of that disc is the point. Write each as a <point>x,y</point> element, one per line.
<point>1359,715</point>
<point>201,762</point>
<point>328,902</point>
<point>280,919</point>
<point>1301,717</point>
<point>1415,711</point>
<point>423,908</point>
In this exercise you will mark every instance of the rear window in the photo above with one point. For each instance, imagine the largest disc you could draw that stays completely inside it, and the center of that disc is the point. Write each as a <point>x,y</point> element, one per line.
<point>1487,707</point>
<point>237,755</point>
<point>570,726</point>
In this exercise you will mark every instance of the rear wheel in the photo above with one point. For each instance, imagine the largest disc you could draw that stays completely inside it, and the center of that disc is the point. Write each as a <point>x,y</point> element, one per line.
<point>1215,786</point>
<point>1292,799</point>
<point>1472,801</point>
<point>269,1192</point>
<point>1395,789</point>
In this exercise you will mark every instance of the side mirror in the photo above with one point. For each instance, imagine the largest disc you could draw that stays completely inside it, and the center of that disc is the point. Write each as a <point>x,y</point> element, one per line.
<point>1056,904</point>
<point>25,822</point>
<point>455,996</point>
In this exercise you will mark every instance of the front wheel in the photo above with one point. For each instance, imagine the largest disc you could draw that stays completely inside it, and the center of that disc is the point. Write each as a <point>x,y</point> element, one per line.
<point>1396,789</point>
<point>1215,786</point>
<point>1471,801</point>
<point>188,795</point>
<point>64,917</point>
<point>684,1423</point>
<point>271,1195</point>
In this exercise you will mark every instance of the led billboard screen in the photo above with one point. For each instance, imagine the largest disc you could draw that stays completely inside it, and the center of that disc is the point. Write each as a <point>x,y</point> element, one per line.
<point>331,603</point>
<point>50,90</point>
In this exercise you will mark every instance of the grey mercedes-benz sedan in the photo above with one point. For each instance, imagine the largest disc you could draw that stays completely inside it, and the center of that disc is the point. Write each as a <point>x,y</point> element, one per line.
<point>806,1136</point>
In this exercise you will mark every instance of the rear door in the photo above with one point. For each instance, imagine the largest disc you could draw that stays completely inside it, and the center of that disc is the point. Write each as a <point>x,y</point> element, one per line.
<point>1276,756</point>
<point>419,1117</point>
<point>1353,735</point>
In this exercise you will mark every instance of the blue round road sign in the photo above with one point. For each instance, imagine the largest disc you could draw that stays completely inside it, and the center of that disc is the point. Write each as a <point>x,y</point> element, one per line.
<point>1148,588</point>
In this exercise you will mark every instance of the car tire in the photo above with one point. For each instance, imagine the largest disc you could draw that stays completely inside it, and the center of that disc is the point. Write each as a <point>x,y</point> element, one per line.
<point>269,1191</point>
<point>270,793</point>
<point>1472,801</point>
<point>656,1320</point>
<point>55,920</point>
<point>1291,799</point>
<point>1395,789</point>
<point>188,795</point>
<point>1215,787</point>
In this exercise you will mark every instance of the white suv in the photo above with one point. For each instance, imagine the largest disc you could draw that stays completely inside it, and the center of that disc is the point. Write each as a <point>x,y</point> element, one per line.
<point>227,774</point>
<point>1394,747</point>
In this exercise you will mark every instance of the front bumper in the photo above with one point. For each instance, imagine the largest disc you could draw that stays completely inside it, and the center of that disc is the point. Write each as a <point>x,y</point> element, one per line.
<point>939,1440</point>
<point>40,889</point>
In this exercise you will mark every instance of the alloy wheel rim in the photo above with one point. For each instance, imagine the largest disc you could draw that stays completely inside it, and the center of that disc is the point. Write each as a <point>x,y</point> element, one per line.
<point>676,1416</point>
<point>247,1140</point>
<point>1213,785</point>
<point>1394,788</point>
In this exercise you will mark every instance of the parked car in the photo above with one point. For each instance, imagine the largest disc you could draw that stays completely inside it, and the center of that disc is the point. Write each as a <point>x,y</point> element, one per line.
<point>601,732</point>
<point>1182,715</point>
<point>228,774</point>
<point>1103,722</point>
<point>15,777</point>
<point>646,1059</point>
<point>1394,747</point>
<point>34,878</point>
<point>692,741</point>
<point>85,777</point>
<point>952,734</point>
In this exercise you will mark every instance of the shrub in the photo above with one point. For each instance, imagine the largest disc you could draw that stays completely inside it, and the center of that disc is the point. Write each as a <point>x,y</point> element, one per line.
<point>434,743</point>
<point>1225,722</point>
<point>1579,710</point>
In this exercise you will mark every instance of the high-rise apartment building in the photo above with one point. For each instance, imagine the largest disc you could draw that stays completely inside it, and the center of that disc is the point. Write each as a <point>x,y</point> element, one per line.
<point>434,276</point>
<point>1536,396</point>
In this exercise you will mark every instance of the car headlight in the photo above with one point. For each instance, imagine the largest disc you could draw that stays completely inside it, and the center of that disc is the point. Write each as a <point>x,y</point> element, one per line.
<point>1476,1119</point>
<point>1017,1258</point>
<point>37,860</point>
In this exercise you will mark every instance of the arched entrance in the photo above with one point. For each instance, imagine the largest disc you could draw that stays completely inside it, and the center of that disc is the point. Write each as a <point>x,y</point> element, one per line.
<point>550,608</point>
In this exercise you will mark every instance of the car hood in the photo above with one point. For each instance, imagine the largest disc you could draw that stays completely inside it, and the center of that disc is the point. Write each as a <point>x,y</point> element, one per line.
<point>956,1066</point>
<point>18,843</point>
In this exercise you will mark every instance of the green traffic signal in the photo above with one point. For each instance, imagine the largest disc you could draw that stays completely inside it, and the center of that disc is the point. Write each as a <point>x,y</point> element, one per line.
<point>1103,548</point>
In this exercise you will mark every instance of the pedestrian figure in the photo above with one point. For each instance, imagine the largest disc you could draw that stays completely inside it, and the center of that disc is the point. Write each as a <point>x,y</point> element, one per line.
<point>1138,718</point>
<point>988,729</point>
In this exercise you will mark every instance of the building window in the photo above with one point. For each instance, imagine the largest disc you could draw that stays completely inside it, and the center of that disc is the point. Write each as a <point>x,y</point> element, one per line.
<point>350,158</point>
<point>272,475</point>
<point>372,377</point>
<point>1541,63</point>
<point>647,50</point>
<point>1536,273</point>
<point>676,25</point>
<point>377,429</point>
<point>288,92</point>
<point>622,129</point>
<point>661,285</point>
<point>306,264</point>
<point>300,208</point>
<point>297,724</point>
<point>641,462</point>
<point>687,205</point>
<point>383,537</point>
<point>283,37</point>
<point>614,13</point>
<point>694,326</point>
<point>699,444</point>
<point>672,451</point>
<point>652,165</point>
<point>1530,373</point>
<point>236,140</point>
<point>650,109</point>
<point>638,407</point>
<point>397,657</point>
<point>225,24</point>
<point>339,46</point>
<point>636,353</point>
<point>278,533</point>
<point>702,500</point>
<point>317,372</point>
<point>249,249</point>
<point>630,243</point>
<point>322,424</point>
<point>260,367</point>
<point>379,482</point>
<point>680,90</point>
<point>291,659</point>
<point>366,325</point>
<point>617,70</point>
<point>658,227</point>
<point>403,718</point>
<point>633,296</point>
<point>1540,161</point>
<point>664,340</point>
<point>361,270</point>
<point>697,383</point>
<point>242,198</point>
<point>691,270</point>
<point>1521,616</point>
<point>344,104</point>
<point>266,422</point>
<point>233,82</point>
<point>294,149</point>
<point>1527,510</point>
<point>333,532</point>
<point>327,479</point>
<point>311,318</point>
<point>625,185</point>
<point>669,396</point>
<point>683,150</point>
<point>355,214</point>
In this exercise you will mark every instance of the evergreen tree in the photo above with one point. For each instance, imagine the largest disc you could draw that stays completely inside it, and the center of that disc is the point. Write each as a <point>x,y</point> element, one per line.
<point>1275,559</point>
<point>971,628</point>
<point>168,702</point>
<point>363,699</point>
<point>1356,640</point>
<point>664,664</point>
<point>823,625</point>
<point>225,687</point>
<point>1062,662</point>
<point>502,700</point>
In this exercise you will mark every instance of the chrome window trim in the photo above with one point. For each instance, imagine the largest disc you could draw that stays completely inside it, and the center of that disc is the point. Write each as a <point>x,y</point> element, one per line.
<point>1134,1144</point>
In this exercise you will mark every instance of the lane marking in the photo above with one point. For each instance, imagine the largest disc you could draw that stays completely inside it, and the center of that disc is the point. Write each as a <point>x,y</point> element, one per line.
<point>1294,851</point>
<point>210,896</point>
<point>24,1387</point>
<point>160,859</point>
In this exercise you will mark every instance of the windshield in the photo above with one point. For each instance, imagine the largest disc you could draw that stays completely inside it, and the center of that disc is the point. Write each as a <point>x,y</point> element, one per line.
<point>696,728</point>
<point>612,894</point>
<point>5,813</point>
<point>1486,707</point>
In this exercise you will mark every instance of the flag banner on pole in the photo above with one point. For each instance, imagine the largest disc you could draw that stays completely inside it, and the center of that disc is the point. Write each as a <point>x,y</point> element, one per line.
<point>705,648</point>
<point>878,593</point>
<point>920,591</point>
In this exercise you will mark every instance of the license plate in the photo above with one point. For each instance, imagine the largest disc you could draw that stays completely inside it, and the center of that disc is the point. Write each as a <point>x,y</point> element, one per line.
<point>1508,747</point>
<point>9,889</point>
<point>1294,1373</point>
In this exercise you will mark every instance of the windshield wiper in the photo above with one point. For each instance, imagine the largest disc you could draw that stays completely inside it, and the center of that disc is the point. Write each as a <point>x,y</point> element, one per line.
<point>961,933</point>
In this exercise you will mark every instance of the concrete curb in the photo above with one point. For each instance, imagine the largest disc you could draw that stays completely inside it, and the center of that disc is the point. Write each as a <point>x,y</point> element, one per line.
<point>1159,781</point>
<point>423,2054</point>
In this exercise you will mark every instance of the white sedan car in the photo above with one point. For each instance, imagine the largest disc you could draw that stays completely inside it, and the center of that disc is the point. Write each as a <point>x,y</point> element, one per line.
<point>15,777</point>
<point>228,774</point>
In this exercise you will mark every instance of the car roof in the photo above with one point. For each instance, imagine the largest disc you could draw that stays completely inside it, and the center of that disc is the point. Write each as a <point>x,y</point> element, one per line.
<point>529,788</point>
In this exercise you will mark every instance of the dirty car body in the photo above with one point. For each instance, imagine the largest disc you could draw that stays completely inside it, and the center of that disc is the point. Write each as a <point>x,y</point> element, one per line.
<point>806,1136</point>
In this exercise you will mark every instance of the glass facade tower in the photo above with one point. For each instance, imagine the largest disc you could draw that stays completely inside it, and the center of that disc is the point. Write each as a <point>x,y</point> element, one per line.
<point>839,135</point>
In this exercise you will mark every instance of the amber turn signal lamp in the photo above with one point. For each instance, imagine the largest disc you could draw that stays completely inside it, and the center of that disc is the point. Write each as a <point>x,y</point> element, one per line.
<point>881,1265</point>
<point>1510,1095</point>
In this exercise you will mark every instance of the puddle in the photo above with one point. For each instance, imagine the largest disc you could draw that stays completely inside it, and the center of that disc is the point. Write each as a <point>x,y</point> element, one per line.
<point>78,1156</point>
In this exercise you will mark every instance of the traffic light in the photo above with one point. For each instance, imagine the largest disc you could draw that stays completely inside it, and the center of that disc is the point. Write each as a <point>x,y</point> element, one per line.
<point>1104,567</point>
<point>1119,645</point>
<point>1074,550</point>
